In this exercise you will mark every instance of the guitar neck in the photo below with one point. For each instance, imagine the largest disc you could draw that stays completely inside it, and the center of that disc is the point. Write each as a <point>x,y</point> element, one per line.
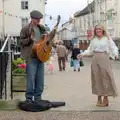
<point>53,32</point>
<point>51,35</point>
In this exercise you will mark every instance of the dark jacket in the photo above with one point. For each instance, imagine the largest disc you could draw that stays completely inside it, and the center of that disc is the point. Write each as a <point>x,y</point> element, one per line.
<point>26,42</point>
<point>75,52</point>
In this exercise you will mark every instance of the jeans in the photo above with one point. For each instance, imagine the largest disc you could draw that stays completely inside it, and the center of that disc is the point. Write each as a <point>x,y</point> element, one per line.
<point>76,64</point>
<point>35,79</point>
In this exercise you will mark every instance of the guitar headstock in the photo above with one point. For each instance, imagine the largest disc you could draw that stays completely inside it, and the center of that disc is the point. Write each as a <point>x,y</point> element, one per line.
<point>58,20</point>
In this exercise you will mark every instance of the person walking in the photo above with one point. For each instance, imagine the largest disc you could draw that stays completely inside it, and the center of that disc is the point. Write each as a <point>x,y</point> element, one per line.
<point>30,35</point>
<point>101,48</point>
<point>61,53</point>
<point>76,62</point>
<point>50,66</point>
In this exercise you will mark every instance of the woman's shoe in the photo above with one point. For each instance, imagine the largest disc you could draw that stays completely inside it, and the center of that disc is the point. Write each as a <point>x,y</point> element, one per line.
<point>106,103</point>
<point>99,103</point>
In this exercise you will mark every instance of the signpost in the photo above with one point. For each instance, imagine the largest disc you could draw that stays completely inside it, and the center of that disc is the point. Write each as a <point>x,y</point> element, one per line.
<point>89,34</point>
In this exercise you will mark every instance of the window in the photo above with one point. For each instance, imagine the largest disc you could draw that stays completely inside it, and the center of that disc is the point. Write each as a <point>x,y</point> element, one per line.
<point>24,5</point>
<point>24,21</point>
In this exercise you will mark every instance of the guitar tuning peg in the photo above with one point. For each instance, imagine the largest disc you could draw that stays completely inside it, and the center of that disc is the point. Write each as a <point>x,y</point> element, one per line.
<point>59,17</point>
<point>50,17</point>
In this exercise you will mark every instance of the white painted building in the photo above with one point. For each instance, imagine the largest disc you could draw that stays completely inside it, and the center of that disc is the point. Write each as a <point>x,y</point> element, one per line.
<point>77,29</point>
<point>117,23</point>
<point>84,21</point>
<point>107,12</point>
<point>67,32</point>
<point>16,14</point>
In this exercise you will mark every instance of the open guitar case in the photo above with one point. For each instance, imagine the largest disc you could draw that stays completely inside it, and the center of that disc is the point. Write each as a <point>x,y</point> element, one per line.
<point>43,105</point>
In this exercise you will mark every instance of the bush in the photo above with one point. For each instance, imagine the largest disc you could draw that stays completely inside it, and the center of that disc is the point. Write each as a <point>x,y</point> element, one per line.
<point>19,66</point>
<point>19,71</point>
<point>16,62</point>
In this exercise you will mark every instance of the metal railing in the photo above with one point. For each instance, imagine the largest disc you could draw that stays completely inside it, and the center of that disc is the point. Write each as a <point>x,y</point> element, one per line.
<point>8,51</point>
<point>3,68</point>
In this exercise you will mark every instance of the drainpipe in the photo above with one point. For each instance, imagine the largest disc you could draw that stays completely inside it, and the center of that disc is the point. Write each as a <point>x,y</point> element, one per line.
<point>3,20</point>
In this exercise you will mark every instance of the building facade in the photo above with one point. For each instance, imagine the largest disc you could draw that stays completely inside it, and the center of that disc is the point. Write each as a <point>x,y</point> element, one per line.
<point>78,30</point>
<point>105,12</point>
<point>14,14</point>
<point>67,32</point>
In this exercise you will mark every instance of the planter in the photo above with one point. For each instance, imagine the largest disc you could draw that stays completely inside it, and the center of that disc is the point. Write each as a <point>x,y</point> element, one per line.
<point>18,82</point>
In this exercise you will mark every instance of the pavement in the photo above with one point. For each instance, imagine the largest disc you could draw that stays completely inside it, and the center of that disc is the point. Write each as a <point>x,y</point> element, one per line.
<point>74,88</point>
<point>63,115</point>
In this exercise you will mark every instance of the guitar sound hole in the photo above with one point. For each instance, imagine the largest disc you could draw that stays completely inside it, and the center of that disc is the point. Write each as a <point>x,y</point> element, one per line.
<point>47,43</point>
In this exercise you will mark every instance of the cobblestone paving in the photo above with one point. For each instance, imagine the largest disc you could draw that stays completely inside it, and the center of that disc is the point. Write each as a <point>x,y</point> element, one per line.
<point>71,115</point>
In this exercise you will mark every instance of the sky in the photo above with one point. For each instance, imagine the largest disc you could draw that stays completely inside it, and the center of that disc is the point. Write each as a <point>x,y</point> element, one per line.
<point>64,8</point>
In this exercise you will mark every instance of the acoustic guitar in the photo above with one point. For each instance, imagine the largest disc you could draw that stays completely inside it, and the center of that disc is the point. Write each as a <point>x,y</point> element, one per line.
<point>43,48</point>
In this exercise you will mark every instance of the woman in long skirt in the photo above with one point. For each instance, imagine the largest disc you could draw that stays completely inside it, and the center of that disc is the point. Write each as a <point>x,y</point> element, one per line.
<point>101,48</point>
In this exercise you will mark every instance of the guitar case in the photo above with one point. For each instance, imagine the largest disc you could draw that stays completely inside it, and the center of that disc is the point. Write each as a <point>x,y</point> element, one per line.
<point>42,105</point>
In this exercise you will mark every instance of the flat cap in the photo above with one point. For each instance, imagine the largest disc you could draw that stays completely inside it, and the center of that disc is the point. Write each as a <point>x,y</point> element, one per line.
<point>36,14</point>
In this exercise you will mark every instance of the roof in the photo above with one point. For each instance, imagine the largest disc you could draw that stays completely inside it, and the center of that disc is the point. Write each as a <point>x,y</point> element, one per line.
<point>65,23</point>
<point>86,10</point>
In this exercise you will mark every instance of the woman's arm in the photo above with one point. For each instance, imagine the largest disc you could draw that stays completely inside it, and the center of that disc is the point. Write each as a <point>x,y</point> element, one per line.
<point>88,52</point>
<point>113,49</point>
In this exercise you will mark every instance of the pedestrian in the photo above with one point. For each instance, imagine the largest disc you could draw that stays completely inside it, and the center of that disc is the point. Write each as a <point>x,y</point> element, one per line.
<point>50,66</point>
<point>30,35</point>
<point>101,47</point>
<point>76,62</point>
<point>67,53</point>
<point>61,53</point>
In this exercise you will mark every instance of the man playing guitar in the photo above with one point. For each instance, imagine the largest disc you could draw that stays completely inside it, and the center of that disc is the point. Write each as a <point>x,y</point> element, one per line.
<point>30,35</point>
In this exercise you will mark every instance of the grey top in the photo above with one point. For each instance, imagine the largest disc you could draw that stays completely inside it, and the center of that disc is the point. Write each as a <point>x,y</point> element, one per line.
<point>37,33</point>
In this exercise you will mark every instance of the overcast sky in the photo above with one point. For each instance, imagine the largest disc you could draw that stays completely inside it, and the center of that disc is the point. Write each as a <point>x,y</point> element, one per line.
<point>64,8</point>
